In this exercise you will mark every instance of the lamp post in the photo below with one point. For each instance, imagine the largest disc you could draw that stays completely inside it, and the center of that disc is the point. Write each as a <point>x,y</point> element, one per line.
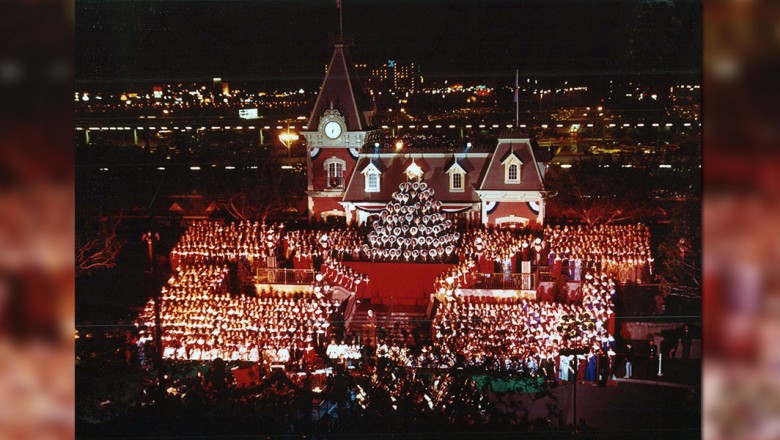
<point>287,138</point>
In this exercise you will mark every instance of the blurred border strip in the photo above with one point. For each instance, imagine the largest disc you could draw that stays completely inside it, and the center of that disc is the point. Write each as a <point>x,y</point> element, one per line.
<point>741,219</point>
<point>36,220</point>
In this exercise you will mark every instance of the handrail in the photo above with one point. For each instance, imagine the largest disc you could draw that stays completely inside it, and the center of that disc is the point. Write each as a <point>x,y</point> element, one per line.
<point>285,276</point>
<point>517,281</point>
<point>637,275</point>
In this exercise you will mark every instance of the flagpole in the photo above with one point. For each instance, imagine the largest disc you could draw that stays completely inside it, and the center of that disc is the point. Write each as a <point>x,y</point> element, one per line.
<point>341,24</point>
<point>517,99</point>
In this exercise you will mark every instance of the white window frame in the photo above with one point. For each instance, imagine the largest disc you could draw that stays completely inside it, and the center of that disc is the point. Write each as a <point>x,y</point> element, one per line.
<point>367,172</point>
<point>456,168</point>
<point>369,187</point>
<point>462,177</point>
<point>512,159</point>
<point>336,162</point>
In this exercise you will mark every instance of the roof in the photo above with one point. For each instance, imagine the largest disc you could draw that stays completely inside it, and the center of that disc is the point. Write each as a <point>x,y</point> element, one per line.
<point>186,205</point>
<point>436,176</point>
<point>342,88</point>
<point>530,178</point>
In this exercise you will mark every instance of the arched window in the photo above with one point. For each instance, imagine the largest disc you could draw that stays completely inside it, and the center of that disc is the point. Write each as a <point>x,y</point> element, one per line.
<point>335,168</point>
<point>512,169</point>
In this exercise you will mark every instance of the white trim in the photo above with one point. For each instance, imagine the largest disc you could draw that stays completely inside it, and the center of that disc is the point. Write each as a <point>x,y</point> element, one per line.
<point>455,167</point>
<point>370,168</point>
<point>333,213</point>
<point>335,160</point>
<point>510,160</point>
<point>462,181</point>
<point>510,195</point>
<point>420,155</point>
<point>512,219</point>
<point>369,188</point>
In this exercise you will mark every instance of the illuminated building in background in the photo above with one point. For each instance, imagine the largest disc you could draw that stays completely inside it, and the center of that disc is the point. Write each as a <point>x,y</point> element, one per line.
<point>396,77</point>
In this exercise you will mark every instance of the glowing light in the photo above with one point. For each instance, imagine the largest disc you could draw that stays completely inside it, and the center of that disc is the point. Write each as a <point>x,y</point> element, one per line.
<point>230,167</point>
<point>399,145</point>
<point>196,168</point>
<point>663,165</point>
<point>565,165</point>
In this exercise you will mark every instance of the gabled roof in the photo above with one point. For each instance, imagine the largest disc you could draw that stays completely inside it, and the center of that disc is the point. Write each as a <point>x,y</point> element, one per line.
<point>341,87</point>
<point>530,178</point>
<point>453,167</point>
<point>371,167</point>
<point>510,155</point>
<point>435,169</point>
<point>192,205</point>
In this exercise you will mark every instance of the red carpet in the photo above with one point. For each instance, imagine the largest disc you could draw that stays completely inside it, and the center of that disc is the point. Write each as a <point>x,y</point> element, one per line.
<point>399,283</point>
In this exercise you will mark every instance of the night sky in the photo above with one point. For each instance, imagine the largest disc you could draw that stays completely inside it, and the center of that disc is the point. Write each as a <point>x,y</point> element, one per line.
<point>265,40</point>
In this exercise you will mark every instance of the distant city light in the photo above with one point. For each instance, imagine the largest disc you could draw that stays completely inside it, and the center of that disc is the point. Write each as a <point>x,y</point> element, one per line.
<point>663,165</point>
<point>161,168</point>
<point>195,168</point>
<point>230,167</point>
<point>287,167</point>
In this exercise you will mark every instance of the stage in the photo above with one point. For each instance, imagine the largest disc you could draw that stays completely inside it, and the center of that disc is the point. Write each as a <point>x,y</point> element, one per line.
<point>398,283</point>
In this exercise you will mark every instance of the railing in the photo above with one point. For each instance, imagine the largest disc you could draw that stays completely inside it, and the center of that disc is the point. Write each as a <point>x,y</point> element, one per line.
<point>285,276</point>
<point>516,281</point>
<point>637,275</point>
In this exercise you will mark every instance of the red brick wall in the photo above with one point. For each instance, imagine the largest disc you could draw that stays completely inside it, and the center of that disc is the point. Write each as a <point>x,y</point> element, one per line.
<point>322,204</point>
<point>319,175</point>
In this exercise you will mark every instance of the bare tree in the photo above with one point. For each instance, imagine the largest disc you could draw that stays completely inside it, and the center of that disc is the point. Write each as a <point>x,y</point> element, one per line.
<point>596,191</point>
<point>264,192</point>
<point>97,245</point>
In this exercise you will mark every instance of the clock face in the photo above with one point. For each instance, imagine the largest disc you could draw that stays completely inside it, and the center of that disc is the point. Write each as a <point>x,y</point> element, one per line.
<point>332,129</point>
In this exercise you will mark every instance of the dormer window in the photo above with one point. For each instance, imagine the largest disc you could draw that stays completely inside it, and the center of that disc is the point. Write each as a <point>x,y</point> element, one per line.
<point>335,168</point>
<point>512,166</point>
<point>373,175</point>
<point>457,177</point>
<point>456,182</point>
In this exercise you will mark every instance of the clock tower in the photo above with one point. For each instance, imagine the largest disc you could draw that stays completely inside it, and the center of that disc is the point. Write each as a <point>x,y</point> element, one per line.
<point>339,124</point>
